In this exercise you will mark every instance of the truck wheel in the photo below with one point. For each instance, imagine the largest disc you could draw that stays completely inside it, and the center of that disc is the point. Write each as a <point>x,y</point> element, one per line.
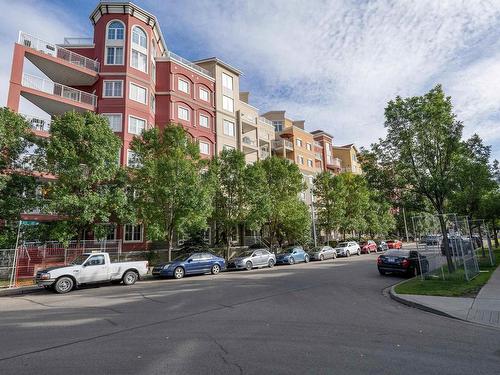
<point>64,285</point>
<point>129,278</point>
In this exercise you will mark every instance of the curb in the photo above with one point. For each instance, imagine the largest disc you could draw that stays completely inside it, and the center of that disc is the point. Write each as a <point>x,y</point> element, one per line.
<point>397,297</point>
<point>20,291</point>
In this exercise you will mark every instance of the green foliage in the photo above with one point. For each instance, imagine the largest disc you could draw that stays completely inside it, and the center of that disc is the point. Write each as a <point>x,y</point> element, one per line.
<point>285,182</point>
<point>357,202</point>
<point>89,190</point>
<point>172,189</point>
<point>331,200</point>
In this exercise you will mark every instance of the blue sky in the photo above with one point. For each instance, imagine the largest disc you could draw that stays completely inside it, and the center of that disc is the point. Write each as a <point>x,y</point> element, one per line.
<point>333,63</point>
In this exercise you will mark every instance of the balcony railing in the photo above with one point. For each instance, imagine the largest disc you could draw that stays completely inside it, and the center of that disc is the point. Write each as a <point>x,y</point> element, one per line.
<point>249,119</point>
<point>38,123</point>
<point>264,154</point>
<point>45,85</point>
<point>318,155</point>
<point>334,162</point>
<point>41,209</point>
<point>317,144</point>
<point>249,141</point>
<point>76,41</point>
<point>265,121</point>
<point>283,143</point>
<point>184,61</point>
<point>56,51</point>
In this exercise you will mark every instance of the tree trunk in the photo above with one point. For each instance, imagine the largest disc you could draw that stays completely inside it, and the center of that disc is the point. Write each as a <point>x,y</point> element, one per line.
<point>495,234</point>
<point>449,260</point>
<point>228,248</point>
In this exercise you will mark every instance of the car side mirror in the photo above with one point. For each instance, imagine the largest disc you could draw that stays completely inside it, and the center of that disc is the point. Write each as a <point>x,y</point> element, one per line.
<point>190,260</point>
<point>85,264</point>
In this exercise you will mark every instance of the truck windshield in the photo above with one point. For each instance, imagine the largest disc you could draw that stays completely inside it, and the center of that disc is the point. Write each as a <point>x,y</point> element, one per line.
<point>79,260</point>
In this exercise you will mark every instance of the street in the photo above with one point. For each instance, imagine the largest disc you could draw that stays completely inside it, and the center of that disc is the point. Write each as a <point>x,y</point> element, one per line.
<point>317,318</point>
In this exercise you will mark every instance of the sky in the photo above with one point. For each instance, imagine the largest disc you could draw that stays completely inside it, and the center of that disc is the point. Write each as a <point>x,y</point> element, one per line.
<point>334,64</point>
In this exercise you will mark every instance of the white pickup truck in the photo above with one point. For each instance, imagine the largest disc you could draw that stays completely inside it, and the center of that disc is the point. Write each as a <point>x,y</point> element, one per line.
<point>95,267</point>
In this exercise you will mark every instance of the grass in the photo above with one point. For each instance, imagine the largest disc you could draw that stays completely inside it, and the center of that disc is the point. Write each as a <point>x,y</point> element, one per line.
<point>455,284</point>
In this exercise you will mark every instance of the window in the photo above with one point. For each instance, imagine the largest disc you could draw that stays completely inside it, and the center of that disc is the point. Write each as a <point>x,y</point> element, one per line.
<point>299,142</point>
<point>113,89</point>
<point>229,128</point>
<point>309,163</point>
<point>133,233</point>
<point>115,121</point>
<point>133,159</point>
<point>354,157</point>
<point>138,93</point>
<point>114,55</point>
<point>278,126</point>
<point>309,146</point>
<point>152,103</point>
<point>204,121</point>
<point>116,31</point>
<point>300,159</point>
<point>136,125</point>
<point>227,81</point>
<point>96,260</point>
<point>227,147</point>
<point>139,59</point>
<point>227,103</point>
<point>183,85</point>
<point>183,113</point>
<point>204,95</point>
<point>204,148</point>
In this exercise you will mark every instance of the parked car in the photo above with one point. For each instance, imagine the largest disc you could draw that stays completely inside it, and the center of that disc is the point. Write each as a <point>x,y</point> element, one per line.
<point>394,244</point>
<point>253,258</point>
<point>368,247</point>
<point>458,244</point>
<point>292,255</point>
<point>431,240</point>
<point>322,253</point>
<point>346,249</point>
<point>90,268</point>
<point>382,246</point>
<point>402,261</point>
<point>191,264</point>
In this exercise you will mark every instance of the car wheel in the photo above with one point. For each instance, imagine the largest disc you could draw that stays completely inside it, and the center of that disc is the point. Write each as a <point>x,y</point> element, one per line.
<point>129,278</point>
<point>321,257</point>
<point>64,285</point>
<point>215,269</point>
<point>347,254</point>
<point>270,264</point>
<point>359,252</point>
<point>306,259</point>
<point>248,266</point>
<point>291,261</point>
<point>179,273</point>
<point>334,255</point>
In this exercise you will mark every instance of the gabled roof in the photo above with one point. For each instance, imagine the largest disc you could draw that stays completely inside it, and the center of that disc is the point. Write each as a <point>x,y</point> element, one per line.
<point>221,63</point>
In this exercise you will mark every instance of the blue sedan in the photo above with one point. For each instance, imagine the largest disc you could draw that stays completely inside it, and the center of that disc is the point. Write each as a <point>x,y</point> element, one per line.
<point>192,264</point>
<point>292,255</point>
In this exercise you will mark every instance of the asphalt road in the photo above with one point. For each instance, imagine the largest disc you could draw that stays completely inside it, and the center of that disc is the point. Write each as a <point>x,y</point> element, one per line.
<point>329,317</point>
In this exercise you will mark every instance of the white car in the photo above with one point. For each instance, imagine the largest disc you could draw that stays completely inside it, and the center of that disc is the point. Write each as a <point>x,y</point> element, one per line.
<point>90,268</point>
<point>346,249</point>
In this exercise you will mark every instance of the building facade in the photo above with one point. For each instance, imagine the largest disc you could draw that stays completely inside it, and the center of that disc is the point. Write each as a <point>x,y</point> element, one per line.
<point>348,155</point>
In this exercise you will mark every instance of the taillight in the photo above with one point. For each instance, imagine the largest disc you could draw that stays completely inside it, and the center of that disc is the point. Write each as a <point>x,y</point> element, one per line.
<point>405,263</point>
<point>379,260</point>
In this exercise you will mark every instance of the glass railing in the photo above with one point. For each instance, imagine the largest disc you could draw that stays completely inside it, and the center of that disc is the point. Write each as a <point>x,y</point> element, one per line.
<point>56,51</point>
<point>184,61</point>
<point>57,89</point>
<point>249,141</point>
<point>76,41</point>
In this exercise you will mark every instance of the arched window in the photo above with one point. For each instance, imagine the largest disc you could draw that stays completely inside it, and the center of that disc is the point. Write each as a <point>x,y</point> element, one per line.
<point>116,31</point>
<point>139,55</point>
<point>115,40</point>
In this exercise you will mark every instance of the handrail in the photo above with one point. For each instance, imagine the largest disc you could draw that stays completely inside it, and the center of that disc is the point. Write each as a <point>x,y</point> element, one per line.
<point>249,141</point>
<point>266,121</point>
<point>184,61</point>
<point>78,41</point>
<point>54,50</point>
<point>38,123</point>
<point>58,89</point>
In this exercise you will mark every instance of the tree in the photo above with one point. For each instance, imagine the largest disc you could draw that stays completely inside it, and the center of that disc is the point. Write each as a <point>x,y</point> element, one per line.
<point>173,191</point>
<point>490,210</point>
<point>295,222</point>
<point>89,191</point>
<point>285,183</point>
<point>330,193</point>
<point>424,141</point>
<point>356,204</point>
<point>230,206</point>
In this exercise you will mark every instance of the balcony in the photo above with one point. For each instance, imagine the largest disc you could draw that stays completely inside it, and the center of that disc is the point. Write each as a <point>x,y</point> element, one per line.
<point>282,143</point>
<point>318,155</point>
<point>78,42</point>
<point>249,145</point>
<point>188,63</point>
<point>264,154</point>
<point>333,163</point>
<point>58,63</point>
<point>38,124</point>
<point>54,98</point>
<point>317,144</point>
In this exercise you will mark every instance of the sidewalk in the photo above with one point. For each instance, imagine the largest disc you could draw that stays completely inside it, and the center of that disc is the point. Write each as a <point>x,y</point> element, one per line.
<point>483,309</point>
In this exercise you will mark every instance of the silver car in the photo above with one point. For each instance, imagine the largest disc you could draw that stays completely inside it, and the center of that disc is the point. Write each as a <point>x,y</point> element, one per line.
<point>252,259</point>
<point>322,253</point>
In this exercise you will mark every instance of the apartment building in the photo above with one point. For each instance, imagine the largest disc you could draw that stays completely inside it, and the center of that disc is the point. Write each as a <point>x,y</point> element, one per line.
<point>126,73</point>
<point>348,155</point>
<point>323,148</point>
<point>238,124</point>
<point>295,143</point>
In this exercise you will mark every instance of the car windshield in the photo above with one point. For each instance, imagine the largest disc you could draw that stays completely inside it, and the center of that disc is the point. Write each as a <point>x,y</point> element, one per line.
<point>79,260</point>
<point>247,253</point>
<point>289,250</point>
<point>319,248</point>
<point>397,253</point>
<point>343,244</point>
